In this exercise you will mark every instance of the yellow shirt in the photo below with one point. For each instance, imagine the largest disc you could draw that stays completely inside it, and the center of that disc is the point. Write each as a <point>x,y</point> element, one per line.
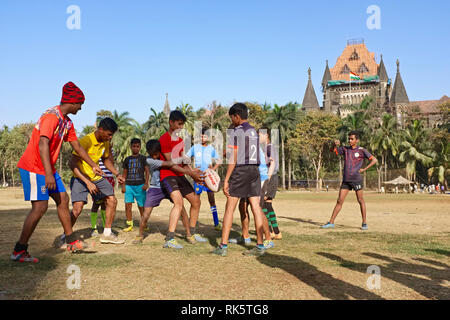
<point>95,150</point>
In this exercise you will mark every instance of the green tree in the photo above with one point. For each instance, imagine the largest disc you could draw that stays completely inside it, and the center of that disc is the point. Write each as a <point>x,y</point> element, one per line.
<point>312,137</point>
<point>415,148</point>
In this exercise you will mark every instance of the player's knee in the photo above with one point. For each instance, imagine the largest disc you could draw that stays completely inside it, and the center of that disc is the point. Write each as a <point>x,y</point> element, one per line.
<point>111,201</point>
<point>360,200</point>
<point>340,201</point>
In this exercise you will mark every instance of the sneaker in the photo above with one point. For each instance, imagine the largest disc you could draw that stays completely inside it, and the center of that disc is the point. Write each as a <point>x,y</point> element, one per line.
<point>268,244</point>
<point>364,226</point>
<point>272,235</point>
<point>23,256</point>
<point>328,225</point>
<point>138,240</point>
<point>128,229</point>
<point>277,236</point>
<point>220,251</point>
<point>241,240</point>
<point>256,251</point>
<point>60,242</point>
<point>112,238</point>
<point>196,238</point>
<point>76,246</point>
<point>95,233</point>
<point>218,227</point>
<point>172,244</point>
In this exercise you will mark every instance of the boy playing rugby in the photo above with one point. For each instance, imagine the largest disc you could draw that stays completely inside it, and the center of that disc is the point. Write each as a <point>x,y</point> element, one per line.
<point>175,183</point>
<point>37,170</point>
<point>84,181</point>
<point>203,155</point>
<point>155,194</point>
<point>242,179</point>
<point>353,160</point>
<point>135,170</point>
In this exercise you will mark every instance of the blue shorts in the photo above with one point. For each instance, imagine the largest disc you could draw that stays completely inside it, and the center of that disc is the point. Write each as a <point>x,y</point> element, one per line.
<point>34,185</point>
<point>135,192</point>
<point>199,188</point>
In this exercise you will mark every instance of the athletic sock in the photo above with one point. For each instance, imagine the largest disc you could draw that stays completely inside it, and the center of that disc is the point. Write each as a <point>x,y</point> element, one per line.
<point>223,245</point>
<point>268,217</point>
<point>170,236</point>
<point>103,217</point>
<point>193,230</point>
<point>20,247</point>
<point>215,216</point>
<point>130,223</point>
<point>107,232</point>
<point>71,238</point>
<point>272,218</point>
<point>94,216</point>
<point>260,246</point>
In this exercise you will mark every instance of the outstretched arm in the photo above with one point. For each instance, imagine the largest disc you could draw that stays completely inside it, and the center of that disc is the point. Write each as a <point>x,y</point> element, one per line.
<point>84,155</point>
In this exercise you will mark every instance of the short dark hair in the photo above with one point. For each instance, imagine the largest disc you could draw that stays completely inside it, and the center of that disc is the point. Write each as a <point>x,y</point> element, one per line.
<point>354,133</point>
<point>204,129</point>
<point>135,140</point>
<point>108,124</point>
<point>239,109</point>
<point>153,146</point>
<point>177,115</point>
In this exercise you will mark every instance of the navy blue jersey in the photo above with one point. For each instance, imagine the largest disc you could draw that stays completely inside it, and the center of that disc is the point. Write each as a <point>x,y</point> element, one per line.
<point>353,161</point>
<point>245,139</point>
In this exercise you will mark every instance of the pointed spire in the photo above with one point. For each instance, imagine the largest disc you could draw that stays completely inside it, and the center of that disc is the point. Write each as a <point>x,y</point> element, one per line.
<point>399,94</point>
<point>310,99</point>
<point>382,74</point>
<point>167,106</point>
<point>326,76</point>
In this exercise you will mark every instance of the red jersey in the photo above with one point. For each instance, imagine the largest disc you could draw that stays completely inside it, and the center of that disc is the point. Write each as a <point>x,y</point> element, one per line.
<point>170,146</point>
<point>57,128</point>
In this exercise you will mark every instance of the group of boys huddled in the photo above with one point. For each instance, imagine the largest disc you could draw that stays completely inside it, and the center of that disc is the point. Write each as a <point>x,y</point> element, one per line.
<point>251,179</point>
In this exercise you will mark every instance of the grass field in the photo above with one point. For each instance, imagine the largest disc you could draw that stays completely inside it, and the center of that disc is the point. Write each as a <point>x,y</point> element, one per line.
<point>408,239</point>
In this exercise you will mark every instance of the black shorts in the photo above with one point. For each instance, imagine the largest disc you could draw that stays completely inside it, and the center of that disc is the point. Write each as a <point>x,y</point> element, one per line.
<point>245,182</point>
<point>352,185</point>
<point>174,183</point>
<point>272,187</point>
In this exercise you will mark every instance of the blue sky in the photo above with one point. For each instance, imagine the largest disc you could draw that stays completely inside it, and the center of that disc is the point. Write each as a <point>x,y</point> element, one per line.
<point>128,54</point>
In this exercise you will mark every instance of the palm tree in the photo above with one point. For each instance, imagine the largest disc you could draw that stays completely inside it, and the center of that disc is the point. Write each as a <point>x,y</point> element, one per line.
<point>123,120</point>
<point>415,148</point>
<point>156,124</point>
<point>188,112</point>
<point>284,119</point>
<point>384,140</point>
<point>441,161</point>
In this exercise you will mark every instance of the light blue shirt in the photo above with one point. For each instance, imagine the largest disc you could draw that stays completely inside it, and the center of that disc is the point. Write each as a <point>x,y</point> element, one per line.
<point>203,155</point>
<point>263,169</point>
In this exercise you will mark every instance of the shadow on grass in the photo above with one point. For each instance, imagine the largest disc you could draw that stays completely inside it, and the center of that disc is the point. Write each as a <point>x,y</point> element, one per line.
<point>405,273</point>
<point>325,284</point>
<point>439,251</point>
<point>309,221</point>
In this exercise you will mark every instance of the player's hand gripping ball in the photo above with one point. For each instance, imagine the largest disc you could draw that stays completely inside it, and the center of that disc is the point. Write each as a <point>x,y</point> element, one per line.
<point>212,180</point>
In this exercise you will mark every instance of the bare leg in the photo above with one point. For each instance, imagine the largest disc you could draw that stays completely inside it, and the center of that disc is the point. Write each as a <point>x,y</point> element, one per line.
<point>111,206</point>
<point>194,199</point>
<point>38,208</point>
<point>258,215</point>
<point>362,205</point>
<point>128,211</point>
<point>175,213</point>
<point>62,206</point>
<point>340,201</point>
<point>245,217</point>
<point>77,208</point>
<point>185,221</point>
<point>145,215</point>
<point>228,218</point>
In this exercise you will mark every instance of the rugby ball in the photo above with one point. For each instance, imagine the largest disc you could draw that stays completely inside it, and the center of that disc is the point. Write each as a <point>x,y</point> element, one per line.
<point>212,180</point>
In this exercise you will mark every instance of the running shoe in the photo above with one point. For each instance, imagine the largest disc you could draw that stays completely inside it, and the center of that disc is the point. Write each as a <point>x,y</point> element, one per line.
<point>328,225</point>
<point>364,226</point>
<point>277,236</point>
<point>256,251</point>
<point>218,227</point>
<point>94,233</point>
<point>196,238</point>
<point>268,244</point>
<point>138,240</point>
<point>172,244</point>
<point>128,229</point>
<point>220,251</point>
<point>112,238</point>
<point>241,240</point>
<point>23,256</point>
<point>76,246</point>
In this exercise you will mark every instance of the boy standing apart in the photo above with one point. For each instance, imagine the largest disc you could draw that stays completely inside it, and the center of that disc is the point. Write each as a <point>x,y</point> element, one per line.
<point>85,181</point>
<point>37,170</point>
<point>242,179</point>
<point>353,160</point>
<point>135,170</point>
<point>175,183</point>
<point>204,154</point>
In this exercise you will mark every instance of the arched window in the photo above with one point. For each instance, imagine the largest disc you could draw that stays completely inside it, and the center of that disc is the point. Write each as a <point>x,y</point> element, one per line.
<point>354,56</point>
<point>345,69</point>
<point>363,68</point>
